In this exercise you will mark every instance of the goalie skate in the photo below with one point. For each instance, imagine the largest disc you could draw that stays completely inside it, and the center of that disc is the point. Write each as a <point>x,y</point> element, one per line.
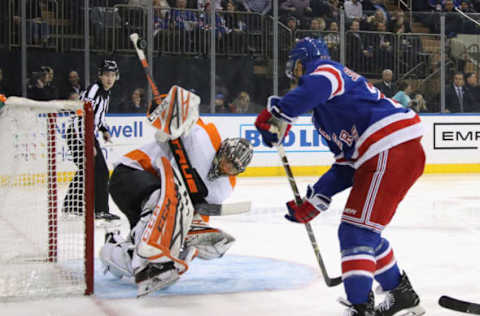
<point>155,276</point>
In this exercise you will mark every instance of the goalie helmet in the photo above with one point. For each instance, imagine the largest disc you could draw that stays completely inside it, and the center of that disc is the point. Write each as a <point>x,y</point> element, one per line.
<point>238,151</point>
<point>109,65</point>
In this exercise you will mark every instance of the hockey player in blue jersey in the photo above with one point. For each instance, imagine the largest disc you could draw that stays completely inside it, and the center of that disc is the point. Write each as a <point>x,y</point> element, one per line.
<point>376,143</point>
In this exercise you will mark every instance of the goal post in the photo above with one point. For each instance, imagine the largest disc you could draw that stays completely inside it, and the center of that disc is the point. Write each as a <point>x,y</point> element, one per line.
<point>46,198</point>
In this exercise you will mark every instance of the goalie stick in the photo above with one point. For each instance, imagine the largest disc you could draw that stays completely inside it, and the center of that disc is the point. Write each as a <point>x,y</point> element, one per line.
<point>459,305</point>
<point>223,209</point>
<point>328,280</point>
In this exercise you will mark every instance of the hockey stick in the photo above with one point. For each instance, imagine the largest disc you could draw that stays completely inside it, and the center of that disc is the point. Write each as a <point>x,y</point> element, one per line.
<point>135,38</point>
<point>293,184</point>
<point>459,306</point>
<point>223,209</point>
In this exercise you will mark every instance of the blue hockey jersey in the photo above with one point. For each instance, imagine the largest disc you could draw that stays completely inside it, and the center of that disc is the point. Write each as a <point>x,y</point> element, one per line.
<point>352,115</point>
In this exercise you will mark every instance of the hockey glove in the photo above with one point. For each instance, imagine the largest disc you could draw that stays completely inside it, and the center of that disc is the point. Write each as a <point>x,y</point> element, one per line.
<point>312,205</point>
<point>272,129</point>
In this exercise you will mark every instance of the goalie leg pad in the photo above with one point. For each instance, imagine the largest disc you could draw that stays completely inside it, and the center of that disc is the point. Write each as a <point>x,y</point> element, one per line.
<point>166,228</point>
<point>116,256</point>
<point>210,242</point>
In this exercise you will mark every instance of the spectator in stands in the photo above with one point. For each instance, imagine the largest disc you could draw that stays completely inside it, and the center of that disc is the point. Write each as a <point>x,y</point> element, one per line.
<point>398,20</point>
<point>235,28</point>
<point>136,103</point>
<point>359,55</point>
<point>220,104</point>
<point>182,19</point>
<point>403,97</point>
<point>220,28</point>
<point>241,103</point>
<point>386,86</point>
<point>39,87</point>
<point>71,85</point>
<point>205,4</point>
<point>472,93</point>
<point>316,28</point>
<point>297,8</point>
<point>353,9</point>
<point>403,94</point>
<point>383,47</point>
<point>455,94</point>
<point>436,5</point>
<point>184,25</point>
<point>371,22</point>
<point>258,6</point>
<point>50,84</point>
<point>161,7</point>
<point>332,39</point>
<point>466,7</point>
<point>38,30</point>
<point>161,10</point>
<point>418,104</point>
<point>234,22</point>
<point>453,22</point>
<point>374,5</point>
<point>331,12</point>
<point>292,24</point>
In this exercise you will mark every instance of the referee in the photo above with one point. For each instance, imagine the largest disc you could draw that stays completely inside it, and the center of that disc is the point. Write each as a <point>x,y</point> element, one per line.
<point>99,96</point>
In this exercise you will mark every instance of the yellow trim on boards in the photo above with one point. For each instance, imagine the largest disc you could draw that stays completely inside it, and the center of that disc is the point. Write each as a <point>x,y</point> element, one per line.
<point>319,170</point>
<point>278,171</point>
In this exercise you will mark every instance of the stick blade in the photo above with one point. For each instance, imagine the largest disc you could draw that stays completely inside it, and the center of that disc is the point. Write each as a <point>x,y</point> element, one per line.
<point>134,37</point>
<point>223,209</point>
<point>333,282</point>
<point>459,305</point>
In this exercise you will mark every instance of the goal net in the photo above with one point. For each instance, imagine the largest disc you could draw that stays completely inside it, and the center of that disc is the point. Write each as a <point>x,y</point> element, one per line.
<point>46,198</point>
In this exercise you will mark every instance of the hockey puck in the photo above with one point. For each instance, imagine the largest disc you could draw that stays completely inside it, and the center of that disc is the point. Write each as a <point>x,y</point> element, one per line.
<point>142,44</point>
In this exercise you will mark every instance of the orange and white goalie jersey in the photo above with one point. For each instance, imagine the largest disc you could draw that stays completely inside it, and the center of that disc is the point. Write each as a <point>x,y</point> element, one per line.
<point>201,145</point>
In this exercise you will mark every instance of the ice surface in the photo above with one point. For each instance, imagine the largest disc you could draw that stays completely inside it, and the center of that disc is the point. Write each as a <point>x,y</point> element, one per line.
<point>435,236</point>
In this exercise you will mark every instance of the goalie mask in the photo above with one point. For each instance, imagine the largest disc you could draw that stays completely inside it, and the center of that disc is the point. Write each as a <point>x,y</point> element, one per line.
<point>232,158</point>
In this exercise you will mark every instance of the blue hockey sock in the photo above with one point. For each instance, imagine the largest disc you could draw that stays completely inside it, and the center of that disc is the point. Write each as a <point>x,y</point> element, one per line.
<point>387,272</point>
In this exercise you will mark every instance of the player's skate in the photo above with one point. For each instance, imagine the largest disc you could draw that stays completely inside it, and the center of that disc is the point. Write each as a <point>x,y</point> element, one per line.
<point>365,309</point>
<point>401,301</point>
<point>210,242</point>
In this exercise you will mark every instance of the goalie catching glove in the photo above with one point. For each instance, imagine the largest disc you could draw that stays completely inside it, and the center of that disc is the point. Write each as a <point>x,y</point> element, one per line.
<point>312,205</point>
<point>272,128</point>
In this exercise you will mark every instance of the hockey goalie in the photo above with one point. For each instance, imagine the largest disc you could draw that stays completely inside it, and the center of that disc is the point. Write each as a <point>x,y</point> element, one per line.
<point>157,187</point>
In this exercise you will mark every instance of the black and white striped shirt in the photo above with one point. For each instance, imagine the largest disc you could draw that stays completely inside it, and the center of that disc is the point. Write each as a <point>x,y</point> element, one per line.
<point>100,100</point>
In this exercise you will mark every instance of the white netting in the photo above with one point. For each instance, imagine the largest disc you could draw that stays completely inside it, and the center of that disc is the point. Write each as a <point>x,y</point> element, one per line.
<point>42,249</point>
